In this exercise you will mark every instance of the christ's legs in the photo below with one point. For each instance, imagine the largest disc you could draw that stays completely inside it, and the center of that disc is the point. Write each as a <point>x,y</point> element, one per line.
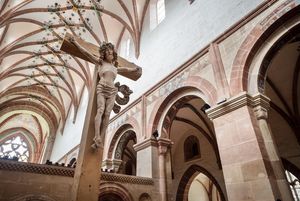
<point>98,120</point>
<point>108,108</point>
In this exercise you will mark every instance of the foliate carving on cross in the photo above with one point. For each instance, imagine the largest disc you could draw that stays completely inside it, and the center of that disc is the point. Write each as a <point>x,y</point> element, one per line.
<point>125,91</point>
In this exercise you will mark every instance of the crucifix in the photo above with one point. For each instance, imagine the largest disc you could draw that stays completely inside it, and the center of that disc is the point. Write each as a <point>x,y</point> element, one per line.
<point>103,99</point>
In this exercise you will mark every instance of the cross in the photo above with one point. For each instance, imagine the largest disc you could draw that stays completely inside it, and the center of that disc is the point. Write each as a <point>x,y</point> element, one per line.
<point>87,173</point>
<point>70,48</point>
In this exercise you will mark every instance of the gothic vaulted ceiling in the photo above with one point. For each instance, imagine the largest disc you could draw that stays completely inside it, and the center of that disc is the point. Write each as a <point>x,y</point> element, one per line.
<point>40,83</point>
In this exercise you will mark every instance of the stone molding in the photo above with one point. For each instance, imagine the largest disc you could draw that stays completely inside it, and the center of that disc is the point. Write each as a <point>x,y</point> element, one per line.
<point>126,179</point>
<point>258,101</point>
<point>145,144</point>
<point>111,164</point>
<point>36,168</point>
<point>106,164</point>
<point>7,165</point>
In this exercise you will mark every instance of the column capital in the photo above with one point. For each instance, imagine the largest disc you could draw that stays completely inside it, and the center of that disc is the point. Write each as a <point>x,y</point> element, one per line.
<point>144,144</point>
<point>259,102</point>
<point>163,145</point>
<point>261,106</point>
<point>106,164</point>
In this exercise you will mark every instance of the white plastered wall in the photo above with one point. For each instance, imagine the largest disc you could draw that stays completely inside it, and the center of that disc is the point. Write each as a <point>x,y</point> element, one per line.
<point>72,132</point>
<point>186,29</point>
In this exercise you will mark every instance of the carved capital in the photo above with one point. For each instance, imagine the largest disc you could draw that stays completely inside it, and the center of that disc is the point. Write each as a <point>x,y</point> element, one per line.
<point>261,106</point>
<point>260,113</point>
<point>163,145</point>
<point>106,164</point>
<point>162,150</point>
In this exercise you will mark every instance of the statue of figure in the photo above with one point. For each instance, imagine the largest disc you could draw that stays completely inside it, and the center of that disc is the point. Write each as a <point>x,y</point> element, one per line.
<point>108,69</point>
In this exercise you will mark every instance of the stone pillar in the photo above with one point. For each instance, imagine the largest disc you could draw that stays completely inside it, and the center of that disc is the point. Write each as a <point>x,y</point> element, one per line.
<point>48,150</point>
<point>147,158</point>
<point>261,108</point>
<point>251,166</point>
<point>87,173</point>
<point>163,147</point>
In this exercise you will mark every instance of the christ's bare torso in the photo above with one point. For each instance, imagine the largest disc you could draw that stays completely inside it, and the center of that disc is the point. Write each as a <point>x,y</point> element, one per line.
<point>107,73</point>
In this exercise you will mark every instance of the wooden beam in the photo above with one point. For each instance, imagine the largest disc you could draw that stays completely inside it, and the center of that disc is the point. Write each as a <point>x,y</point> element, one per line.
<point>70,48</point>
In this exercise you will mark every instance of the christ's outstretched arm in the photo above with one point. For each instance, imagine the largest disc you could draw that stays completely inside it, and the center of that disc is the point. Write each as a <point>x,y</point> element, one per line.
<point>92,57</point>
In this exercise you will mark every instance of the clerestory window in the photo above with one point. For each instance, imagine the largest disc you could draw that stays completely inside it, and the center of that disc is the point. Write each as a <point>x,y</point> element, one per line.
<point>157,13</point>
<point>161,11</point>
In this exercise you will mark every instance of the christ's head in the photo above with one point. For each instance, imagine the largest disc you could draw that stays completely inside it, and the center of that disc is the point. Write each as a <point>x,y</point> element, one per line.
<point>108,53</point>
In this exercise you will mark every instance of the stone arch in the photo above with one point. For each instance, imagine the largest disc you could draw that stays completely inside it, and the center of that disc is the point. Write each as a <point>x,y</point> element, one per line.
<point>168,110</point>
<point>122,142</point>
<point>158,116</point>
<point>122,129</point>
<point>136,127</point>
<point>25,132</point>
<point>36,111</point>
<point>187,178</point>
<point>145,197</point>
<point>257,38</point>
<point>114,189</point>
<point>266,53</point>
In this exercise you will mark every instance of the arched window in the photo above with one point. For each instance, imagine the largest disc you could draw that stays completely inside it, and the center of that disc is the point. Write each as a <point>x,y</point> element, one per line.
<point>157,13</point>
<point>125,47</point>
<point>15,148</point>
<point>191,148</point>
<point>161,10</point>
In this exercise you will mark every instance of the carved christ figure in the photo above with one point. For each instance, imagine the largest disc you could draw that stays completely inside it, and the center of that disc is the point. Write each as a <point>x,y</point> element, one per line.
<point>106,62</point>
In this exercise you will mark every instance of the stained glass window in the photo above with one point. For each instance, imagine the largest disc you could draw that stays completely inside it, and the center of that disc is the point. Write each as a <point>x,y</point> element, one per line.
<point>16,148</point>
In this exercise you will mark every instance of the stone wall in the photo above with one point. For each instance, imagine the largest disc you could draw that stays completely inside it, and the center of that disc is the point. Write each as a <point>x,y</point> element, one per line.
<point>24,181</point>
<point>21,181</point>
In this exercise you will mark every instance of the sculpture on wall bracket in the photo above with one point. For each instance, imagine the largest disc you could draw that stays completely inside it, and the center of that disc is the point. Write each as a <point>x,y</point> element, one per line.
<point>108,65</point>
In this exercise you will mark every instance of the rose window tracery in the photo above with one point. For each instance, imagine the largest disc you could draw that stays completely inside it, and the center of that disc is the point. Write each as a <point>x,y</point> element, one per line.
<point>15,148</point>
